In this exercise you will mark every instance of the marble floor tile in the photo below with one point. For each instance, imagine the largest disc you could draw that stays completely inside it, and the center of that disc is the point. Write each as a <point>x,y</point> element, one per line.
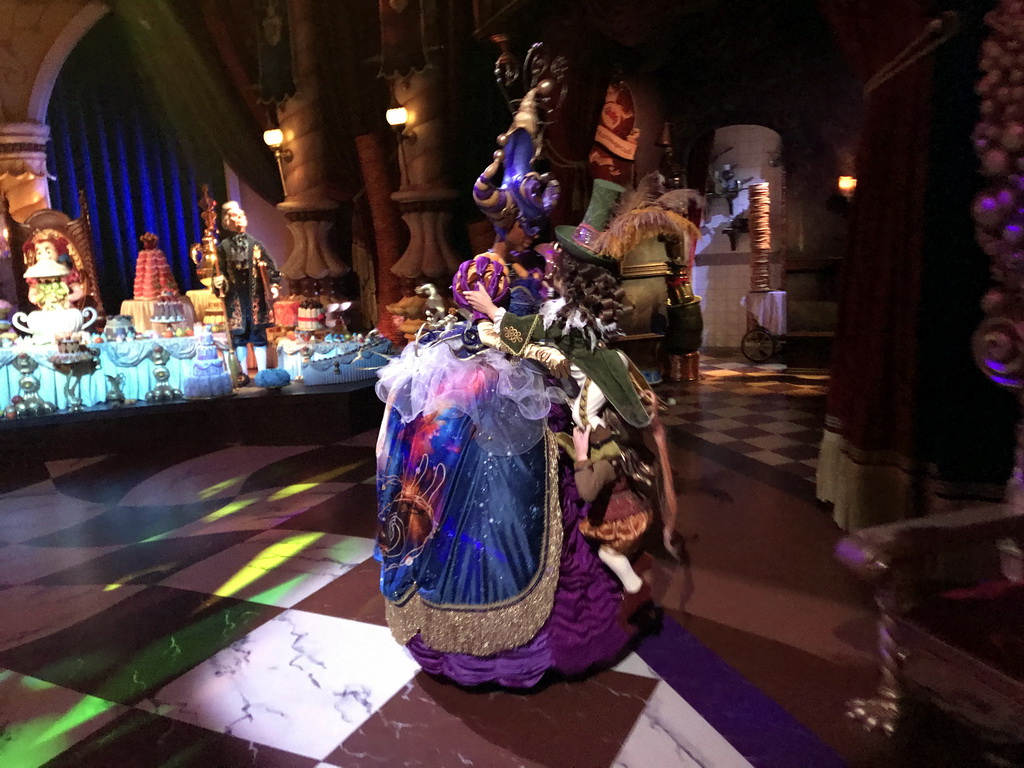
<point>33,612</point>
<point>41,509</point>
<point>634,665</point>
<point>125,525</point>
<point>433,724</point>
<point>40,720</point>
<point>670,734</point>
<point>301,683</point>
<point>352,512</point>
<point>142,740</point>
<point>256,512</point>
<point>147,562</point>
<point>366,439</point>
<point>356,596</point>
<point>20,564</point>
<point>138,644</point>
<point>277,567</point>
<point>329,463</point>
<point>64,466</point>
<point>215,475</point>
<point>107,481</point>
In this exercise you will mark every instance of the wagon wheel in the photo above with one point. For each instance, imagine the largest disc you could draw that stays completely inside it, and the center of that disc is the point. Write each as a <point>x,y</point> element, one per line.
<point>757,345</point>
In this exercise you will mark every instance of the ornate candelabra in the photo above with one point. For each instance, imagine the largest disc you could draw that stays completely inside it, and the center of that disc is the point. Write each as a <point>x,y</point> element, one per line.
<point>85,364</point>
<point>31,403</point>
<point>162,392</point>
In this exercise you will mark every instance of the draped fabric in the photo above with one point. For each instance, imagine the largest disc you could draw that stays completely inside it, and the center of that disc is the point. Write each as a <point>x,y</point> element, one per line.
<point>194,93</point>
<point>966,422</point>
<point>904,398</point>
<point>868,462</point>
<point>109,141</point>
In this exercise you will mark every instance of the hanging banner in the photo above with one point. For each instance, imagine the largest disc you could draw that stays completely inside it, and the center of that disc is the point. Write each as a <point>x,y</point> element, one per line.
<point>402,37</point>
<point>274,52</point>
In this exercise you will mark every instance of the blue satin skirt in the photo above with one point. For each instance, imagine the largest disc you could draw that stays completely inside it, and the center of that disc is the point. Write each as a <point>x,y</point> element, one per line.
<point>461,529</point>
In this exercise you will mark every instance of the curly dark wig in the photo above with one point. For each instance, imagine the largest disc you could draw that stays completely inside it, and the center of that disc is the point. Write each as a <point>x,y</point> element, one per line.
<point>594,292</point>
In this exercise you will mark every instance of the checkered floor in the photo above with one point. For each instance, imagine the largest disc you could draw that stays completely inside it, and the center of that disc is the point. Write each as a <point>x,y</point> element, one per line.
<point>222,610</point>
<point>762,412</point>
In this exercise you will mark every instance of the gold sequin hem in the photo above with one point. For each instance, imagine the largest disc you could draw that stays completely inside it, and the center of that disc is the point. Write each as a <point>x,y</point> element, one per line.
<point>492,629</point>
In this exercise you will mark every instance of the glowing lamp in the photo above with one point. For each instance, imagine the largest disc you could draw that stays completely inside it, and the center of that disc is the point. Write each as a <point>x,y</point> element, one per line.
<point>397,116</point>
<point>273,138</point>
<point>847,185</point>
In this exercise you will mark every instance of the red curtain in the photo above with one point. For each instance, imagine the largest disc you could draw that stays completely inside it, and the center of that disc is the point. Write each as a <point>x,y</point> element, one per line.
<point>871,412</point>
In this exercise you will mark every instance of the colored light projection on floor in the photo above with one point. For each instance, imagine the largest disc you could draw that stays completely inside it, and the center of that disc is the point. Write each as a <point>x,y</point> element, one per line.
<point>228,509</point>
<point>35,741</point>
<point>316,480</point>
<point>223,485</point>
<point>268,559</point>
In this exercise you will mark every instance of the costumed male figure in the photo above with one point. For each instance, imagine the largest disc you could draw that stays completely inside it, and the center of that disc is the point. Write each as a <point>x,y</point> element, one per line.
<point>627,483</point>
<point>248,281</point>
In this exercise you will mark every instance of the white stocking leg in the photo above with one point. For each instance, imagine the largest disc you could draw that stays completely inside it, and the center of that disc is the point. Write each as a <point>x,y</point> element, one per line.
<point>622,568</point>
<point>261,358</point>
<point>242,353</point>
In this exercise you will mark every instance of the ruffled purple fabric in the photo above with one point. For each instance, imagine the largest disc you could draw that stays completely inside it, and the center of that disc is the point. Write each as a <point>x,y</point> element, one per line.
<point>581,632</point>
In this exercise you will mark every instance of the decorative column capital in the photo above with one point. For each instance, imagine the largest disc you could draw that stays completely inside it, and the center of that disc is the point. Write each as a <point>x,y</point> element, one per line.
<point>411,200</point>
<point>308,210</point>
<point>23,150</point>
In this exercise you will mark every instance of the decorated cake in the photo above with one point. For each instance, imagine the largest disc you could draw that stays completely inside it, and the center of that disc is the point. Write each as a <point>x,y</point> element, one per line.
<point>286,312</point>
<point>153,276</point>
<point>311,316</point>
<point>208,378</point>
<point>171,311</point>
<point>119,328</point>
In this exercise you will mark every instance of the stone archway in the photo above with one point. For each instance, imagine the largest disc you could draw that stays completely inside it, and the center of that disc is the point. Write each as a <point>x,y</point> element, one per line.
<point>39,40</point>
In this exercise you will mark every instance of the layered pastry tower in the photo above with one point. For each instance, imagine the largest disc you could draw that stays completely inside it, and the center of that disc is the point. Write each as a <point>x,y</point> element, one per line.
<point>153,276</point>
<point>168,311</point>
<point>209,377</point>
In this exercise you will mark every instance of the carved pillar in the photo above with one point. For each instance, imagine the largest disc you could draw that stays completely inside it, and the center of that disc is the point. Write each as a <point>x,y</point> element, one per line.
<point>412,37</point>
<point>307,206</point>
<point>424,198</point>
<point>23,174</point>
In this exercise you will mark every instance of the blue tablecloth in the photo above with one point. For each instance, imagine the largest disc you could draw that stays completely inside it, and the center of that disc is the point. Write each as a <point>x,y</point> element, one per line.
<point>332,362</point>
<point>132,359</point>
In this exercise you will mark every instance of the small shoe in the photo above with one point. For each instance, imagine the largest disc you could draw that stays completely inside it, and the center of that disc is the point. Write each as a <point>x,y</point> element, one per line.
<point>242,380</point>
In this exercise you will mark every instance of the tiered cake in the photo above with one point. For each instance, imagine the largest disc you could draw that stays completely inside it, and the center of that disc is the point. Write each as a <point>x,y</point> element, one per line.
<point>168,311</point>
<point>153,276</point>
<point>208,378</point>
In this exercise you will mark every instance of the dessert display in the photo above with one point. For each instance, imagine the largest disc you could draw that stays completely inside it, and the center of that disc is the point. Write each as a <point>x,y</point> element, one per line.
<point>286,312</point>
<point>153,276</point>
<point>760,237</point>
<point>209,378</point>
<point>70,349</point>
<point>168,311</point>
<point>310,316</point>
<point>119,328</point>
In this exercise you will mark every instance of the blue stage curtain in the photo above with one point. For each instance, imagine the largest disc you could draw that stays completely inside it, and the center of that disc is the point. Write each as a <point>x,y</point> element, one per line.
<point>109,142</point>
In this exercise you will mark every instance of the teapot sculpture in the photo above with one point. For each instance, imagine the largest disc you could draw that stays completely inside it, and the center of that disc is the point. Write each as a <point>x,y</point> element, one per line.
<point>43,325</point>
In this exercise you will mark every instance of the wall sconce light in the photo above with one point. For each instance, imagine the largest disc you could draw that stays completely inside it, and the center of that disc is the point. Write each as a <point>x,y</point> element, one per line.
<point>847,186</point>
<point>274,138</point>
<point>397,118</point>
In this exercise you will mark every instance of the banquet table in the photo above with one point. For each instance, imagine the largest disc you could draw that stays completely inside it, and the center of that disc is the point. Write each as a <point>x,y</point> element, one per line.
<point>131,359</point>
